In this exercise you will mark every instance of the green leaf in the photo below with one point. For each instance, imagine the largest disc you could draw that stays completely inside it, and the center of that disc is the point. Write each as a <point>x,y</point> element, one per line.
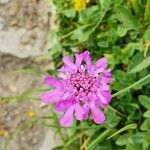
<point>147,114</point>
<point>147,34</point>
<point>112,119</point>
<point>142,65</point>
<point>145,125</point>
<point>70,13</point>
<point>122,139</point>
<point>103,44</point>
<point>104,3</point>
<point>145,101</point>
<point>130,126</point>
<point>122,31</point>
<point>124,15</point>
<point>129,50</point>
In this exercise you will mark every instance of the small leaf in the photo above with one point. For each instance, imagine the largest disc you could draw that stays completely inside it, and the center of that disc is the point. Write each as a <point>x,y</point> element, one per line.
<point>147,114</point>
<point>145,125</point>
<point>145,101</point>
<point>103,44</point>
<point>122,31</point>
<point>122,139</point>
<point>142,65</point>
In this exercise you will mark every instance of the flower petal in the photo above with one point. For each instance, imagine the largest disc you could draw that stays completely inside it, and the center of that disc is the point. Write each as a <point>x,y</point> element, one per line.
<point>86,111</point>
<point>102,98</point>
<point>67,118</point>
<point>102,63</point>
<point>51,96</point>
<point>68,62</point>
<point>107,76</point>
<point>62,105</point>
<point>87,58</point>
<point>78,111</point>
<point>79,59</point>
<point>51,81</point>
<point>107,95</point>
<point>97,115</point>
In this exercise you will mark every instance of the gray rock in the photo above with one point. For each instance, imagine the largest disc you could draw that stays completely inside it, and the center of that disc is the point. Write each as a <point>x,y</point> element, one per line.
<point>2,23</point>
<point>4,1</point>
<point>19,42</point>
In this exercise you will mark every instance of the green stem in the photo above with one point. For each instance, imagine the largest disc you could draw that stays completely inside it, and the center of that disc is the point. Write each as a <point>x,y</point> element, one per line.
<point>72,140</point>
<point>68,34</point>
<point>135,6</point>
<point>99,139</point>
<point>147,11</point>
<point>131,86</point>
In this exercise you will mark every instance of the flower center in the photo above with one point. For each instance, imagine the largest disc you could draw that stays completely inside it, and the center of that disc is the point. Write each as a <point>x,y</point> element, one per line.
<point>82,82</point>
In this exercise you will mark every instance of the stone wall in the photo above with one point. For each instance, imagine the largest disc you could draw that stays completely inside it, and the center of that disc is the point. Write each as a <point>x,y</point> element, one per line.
<point>23,27</point>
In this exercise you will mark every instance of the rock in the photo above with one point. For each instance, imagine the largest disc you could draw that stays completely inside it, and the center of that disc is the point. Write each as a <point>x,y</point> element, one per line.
<point>19,19</point>
<point>2,23</point>
<point>14,22</point>
<point>10,43</point>
<point>4,1</point>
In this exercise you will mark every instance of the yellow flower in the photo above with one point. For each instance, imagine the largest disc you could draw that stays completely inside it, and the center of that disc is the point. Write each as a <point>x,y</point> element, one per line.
<point>3,133</point>
<point>31,113</point>
<point>80,4</point>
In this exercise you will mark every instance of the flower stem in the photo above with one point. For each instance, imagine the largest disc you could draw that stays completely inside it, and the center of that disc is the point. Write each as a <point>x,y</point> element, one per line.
<point>99,139</point>
<point>131,86</point>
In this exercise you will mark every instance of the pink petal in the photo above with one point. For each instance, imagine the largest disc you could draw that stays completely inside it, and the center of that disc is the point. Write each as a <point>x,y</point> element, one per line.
<point>103,86</point>
<point>62,105</point>
<point>102,63</point>
<point>68,62</point>
<point>87,58</point>
<point>86,111</point>
<point>67,118</point>
<point>51,81</point>
<point>51,96</point>
<point>97,115</point>
<point>107,76</point>
<point>97,71</point>
<point>102,98</point>
<point>78,111</point>
<point>79,59</point>
<point>107,95</point>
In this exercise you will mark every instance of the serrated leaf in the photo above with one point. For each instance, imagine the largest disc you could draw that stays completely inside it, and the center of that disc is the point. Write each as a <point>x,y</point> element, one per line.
<point>145,101</point>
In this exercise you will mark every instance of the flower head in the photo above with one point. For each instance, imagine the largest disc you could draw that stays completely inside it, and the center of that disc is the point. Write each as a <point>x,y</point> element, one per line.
<point>80,4</point>
<point>81,90</point>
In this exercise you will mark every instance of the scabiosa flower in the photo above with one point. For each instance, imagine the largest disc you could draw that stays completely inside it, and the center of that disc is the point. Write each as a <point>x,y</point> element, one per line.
<point>81,90</point>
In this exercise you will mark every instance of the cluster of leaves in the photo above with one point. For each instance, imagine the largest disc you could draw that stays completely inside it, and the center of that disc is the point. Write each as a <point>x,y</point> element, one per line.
<point>120,31</point>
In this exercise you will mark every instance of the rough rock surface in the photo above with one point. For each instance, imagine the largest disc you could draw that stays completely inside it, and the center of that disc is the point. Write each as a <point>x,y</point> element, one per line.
<point>23,36</point>
<point>23,27</point>
<point>15,113</point>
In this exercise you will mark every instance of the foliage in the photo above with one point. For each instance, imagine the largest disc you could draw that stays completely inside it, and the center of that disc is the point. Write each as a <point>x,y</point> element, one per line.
<point>120,31</point>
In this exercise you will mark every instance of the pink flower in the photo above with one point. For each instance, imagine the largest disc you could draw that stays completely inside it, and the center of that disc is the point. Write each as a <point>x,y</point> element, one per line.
<point>81,89</point>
